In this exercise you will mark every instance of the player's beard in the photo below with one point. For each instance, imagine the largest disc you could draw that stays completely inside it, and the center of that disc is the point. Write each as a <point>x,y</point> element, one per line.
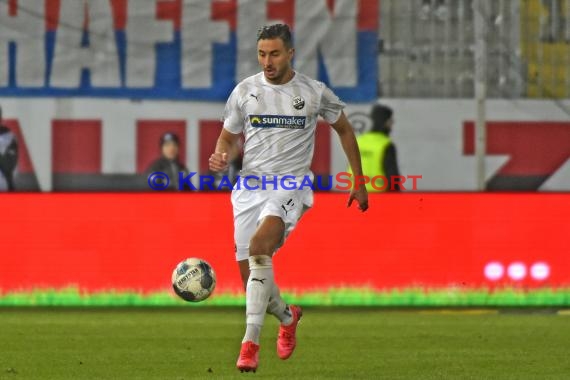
<point>275,75</point>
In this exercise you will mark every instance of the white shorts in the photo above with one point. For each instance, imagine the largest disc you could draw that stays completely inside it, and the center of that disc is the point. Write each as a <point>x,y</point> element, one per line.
<point>251,206</point>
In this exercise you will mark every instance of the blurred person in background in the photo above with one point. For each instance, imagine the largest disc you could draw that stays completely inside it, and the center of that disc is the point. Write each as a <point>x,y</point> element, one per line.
<point>8,157</point>
<point>378,152</point>
<point>169,161</point>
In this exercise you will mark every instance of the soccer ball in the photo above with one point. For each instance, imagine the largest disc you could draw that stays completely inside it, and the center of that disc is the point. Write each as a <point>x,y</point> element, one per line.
<point>193,280</point>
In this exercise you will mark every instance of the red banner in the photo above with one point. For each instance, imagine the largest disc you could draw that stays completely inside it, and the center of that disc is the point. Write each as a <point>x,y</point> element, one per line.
<point>133,241</point>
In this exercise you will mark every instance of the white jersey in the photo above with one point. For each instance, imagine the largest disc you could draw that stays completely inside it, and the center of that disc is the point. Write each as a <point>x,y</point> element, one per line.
<point>279,122</point>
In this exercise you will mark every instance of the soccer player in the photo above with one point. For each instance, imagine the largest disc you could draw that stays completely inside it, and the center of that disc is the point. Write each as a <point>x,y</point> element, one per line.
<point>277,111</point>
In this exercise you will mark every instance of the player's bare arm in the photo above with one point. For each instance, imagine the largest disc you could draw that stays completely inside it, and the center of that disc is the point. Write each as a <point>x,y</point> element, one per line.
<point>226,150</point>
<point>350,147</point>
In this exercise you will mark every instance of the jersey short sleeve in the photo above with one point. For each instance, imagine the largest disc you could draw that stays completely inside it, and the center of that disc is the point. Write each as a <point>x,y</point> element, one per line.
<point>233,120</point>
<point>331,106</point>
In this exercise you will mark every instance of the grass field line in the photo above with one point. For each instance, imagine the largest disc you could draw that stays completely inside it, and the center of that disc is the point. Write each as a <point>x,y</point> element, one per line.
<point>406,297</point>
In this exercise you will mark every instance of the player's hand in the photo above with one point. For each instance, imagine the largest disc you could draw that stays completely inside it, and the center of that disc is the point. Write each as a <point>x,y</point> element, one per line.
<point>218,162</point>
<point>361,196</point>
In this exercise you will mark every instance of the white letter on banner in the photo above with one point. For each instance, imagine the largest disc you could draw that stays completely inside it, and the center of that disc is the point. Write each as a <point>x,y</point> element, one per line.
<point>144,31</point>
<point>27,31</point>
<point>252,15</point>
<point>199,32</point>
<point>100,57</point>
<point>334,36</point>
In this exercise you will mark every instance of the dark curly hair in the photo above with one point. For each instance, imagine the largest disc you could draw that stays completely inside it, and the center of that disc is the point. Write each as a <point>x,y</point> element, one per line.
<point>270,32</point>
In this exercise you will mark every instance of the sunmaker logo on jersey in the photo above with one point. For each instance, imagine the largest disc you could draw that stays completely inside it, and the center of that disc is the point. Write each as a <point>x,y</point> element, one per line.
<point>277,121</point>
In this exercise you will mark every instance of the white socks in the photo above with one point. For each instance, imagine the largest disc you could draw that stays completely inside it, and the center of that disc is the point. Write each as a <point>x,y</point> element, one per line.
<point>252,333</point>
<point>278,307</point>
<point>262,295</point>
<point>259,288</point>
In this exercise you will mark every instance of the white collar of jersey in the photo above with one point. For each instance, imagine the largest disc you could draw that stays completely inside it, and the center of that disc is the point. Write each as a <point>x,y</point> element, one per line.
<point>265,81</point>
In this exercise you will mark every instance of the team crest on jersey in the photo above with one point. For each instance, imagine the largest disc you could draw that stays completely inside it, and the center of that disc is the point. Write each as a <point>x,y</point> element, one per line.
<point>277,121</point>
<point>298,103</point>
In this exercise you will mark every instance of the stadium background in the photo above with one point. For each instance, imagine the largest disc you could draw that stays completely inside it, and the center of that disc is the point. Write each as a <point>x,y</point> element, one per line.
<point>89,86</point>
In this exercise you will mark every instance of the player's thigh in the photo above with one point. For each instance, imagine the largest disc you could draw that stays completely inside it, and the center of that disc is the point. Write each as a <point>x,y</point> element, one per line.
<point>267,236</point>
<point>291,226</point>
<point>289,206</point>
<point>247,207</point>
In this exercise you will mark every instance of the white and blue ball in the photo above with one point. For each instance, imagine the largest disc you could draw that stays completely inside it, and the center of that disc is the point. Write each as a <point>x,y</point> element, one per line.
<point>193,280</point>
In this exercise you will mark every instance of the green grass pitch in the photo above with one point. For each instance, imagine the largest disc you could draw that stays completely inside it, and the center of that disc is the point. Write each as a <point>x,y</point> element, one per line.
<point>334,343</point>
